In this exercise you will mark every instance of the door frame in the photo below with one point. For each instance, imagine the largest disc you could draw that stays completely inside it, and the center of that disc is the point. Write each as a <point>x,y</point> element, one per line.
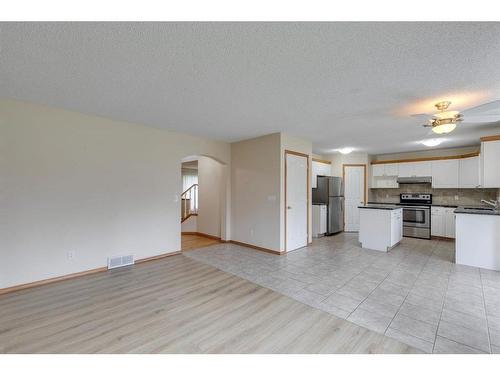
<point>308,187</point>
<point>343,180</point>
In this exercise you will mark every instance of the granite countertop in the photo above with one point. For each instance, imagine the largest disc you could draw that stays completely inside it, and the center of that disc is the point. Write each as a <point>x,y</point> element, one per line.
<point>381,206</point>
<point>476,211</point>
<point>433,204</point>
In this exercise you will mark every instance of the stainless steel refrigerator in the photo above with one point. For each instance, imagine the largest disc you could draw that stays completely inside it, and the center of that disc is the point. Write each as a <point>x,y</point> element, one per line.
<point>330,191</point>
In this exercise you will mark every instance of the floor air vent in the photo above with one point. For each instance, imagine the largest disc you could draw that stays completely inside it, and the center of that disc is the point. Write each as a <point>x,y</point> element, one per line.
<point>120,261</point>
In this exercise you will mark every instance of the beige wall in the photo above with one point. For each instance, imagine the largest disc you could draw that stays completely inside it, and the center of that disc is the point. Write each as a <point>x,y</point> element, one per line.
<point>212,192</point>
<point>255,191</point>
<point>88,185</point>
<point>338,160</point>
<point>303,146</point>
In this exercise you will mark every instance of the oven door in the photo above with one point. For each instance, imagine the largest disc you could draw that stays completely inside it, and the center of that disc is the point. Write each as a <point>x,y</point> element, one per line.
<point>416,217</point>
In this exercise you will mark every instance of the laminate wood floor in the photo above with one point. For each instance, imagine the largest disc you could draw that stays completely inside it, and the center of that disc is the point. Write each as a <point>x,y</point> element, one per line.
<point>194,241</point>
<point>174,305</point>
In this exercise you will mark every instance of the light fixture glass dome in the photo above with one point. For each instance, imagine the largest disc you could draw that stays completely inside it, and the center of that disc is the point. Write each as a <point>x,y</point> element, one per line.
<point>444,128</point>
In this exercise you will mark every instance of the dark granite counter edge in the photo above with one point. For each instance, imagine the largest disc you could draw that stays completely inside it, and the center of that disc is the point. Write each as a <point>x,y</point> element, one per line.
<point>461,210</point>
<point>433,205</point>
<point>380,207</point>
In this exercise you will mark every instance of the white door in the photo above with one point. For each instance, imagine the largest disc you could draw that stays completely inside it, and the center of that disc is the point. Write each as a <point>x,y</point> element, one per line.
<point>354,192</point>
<point>296,201</point>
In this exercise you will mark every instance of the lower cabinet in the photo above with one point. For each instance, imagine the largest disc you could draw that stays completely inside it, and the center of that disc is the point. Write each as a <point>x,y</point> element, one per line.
<point>319,220</point>
<point>443,221</point>
<point>396,227</point>
<point>380,229</point>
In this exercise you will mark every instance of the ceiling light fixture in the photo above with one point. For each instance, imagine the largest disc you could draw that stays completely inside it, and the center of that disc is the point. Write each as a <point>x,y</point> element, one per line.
<point>346,150</point>
<point>443,127</point>
<point>432,142</point>
<point>444,121</point>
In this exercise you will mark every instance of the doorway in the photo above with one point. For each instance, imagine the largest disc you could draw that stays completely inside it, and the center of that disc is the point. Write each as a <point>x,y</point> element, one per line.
<point>204,199</point>
<point>296,200</point>
<point>354,176</point>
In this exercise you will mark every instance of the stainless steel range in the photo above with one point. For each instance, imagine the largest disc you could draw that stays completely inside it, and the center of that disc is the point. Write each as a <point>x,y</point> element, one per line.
<point>416,215</point>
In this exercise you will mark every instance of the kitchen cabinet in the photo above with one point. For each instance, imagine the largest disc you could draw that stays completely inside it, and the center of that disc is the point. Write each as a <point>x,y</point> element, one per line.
<point>477,242</point>
<point>437,222</point>
<point>385,182</point>
<point>391,169</point>
<point>319,220</point>
<point>469,172</point>
<point>490,155</point>
<point>405,170</point>
<point>449,222</point>
<point>383,170</point>
<point>443,221</point>
<point>385,176</point>
<point>378,170</point>
<point>396,227</point>
<point>445,173</point>
<point>380,228</point>
<point>415,169</point>
<point>319,169</point>
<point>422,169</point>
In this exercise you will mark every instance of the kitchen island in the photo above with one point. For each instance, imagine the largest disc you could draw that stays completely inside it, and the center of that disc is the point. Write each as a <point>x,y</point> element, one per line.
<point>478,237</point>
<point>380,226</point>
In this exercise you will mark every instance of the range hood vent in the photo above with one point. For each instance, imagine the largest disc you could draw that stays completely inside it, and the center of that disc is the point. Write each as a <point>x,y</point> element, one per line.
<point>415,180</point>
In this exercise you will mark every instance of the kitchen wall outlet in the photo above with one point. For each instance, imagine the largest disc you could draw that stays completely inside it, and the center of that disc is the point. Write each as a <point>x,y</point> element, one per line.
<point>387,195</point>
<point>251,232</point>
<point>456,197</point>
<point>70,254</point>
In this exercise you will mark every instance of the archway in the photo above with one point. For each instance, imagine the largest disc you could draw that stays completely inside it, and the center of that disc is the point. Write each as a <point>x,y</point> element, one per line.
<point>205,198</point>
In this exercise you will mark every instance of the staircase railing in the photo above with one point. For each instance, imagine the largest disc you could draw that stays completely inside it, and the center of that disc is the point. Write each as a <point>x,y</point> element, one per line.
<point>189,202</point>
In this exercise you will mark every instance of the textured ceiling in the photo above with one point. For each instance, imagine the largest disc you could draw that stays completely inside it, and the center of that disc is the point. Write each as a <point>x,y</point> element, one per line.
<point>338,84</point>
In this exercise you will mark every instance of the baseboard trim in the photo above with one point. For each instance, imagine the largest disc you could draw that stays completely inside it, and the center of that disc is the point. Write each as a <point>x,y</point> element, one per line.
<point>204,235</point>
<point>52,280</point>
<point>156,257</point>
<point>34,284</point>
<point>442,238</point>
<point>275,252</point>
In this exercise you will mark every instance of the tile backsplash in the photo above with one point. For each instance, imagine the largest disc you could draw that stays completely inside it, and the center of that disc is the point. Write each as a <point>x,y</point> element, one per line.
<point>466,197</point>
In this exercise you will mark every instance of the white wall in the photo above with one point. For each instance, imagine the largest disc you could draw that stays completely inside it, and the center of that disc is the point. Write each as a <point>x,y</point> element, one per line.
<point>255,191</point>
<point>190,224</point>
<point>72,182</point>
<point>212,191</point>
<point>303,146</point>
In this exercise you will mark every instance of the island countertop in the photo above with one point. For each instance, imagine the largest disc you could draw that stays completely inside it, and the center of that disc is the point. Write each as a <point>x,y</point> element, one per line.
<point>380,206</point>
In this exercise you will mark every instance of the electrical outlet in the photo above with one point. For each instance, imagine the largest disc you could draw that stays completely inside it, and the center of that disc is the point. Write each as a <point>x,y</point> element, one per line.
<point>456,197</point>
<point>70,254</point>
<point>251,232</point>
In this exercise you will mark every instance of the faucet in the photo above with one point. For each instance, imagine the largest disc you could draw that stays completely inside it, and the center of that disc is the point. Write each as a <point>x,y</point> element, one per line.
<point>493,203</point>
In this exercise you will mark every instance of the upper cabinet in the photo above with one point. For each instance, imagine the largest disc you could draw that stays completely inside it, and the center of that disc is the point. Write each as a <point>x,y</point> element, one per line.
<point>319,168</point>
<point>385,175</point>
<point>385,170</point>
<point>415,169</point>
<point>490,156</point>
<point>468,174</point>
<point>462,172</point>
<point>445,173</point>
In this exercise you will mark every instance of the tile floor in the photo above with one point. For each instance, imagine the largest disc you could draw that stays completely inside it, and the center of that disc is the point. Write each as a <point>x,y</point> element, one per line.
<point>414,293</point>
